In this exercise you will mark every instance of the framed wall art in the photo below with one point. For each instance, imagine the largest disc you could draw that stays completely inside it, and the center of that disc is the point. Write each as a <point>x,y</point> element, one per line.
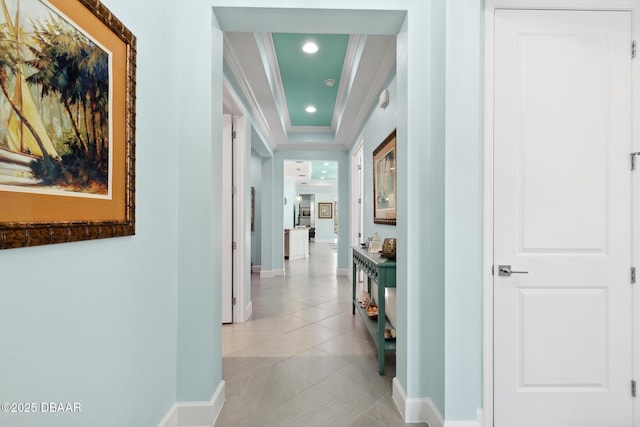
<point>67,123</point>
<point>385,181</point>
<point>325,210</point>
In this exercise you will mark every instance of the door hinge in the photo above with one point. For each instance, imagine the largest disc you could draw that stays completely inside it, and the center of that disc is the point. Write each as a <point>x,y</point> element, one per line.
<point>359,235</point>
<point>233,134</point>
<point>234,190</point>
<point>633,388</point>
<point>233,301</point>
<point>234,245</point>
<point>633,49</point>
<point>633,160</point>
<point>492,270</point>
<point>360,201</point>
<point>359,167</point>
<point>633,275</point>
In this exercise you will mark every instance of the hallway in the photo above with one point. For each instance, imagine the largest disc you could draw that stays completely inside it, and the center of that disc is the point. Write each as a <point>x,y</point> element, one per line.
<point>304,359</point>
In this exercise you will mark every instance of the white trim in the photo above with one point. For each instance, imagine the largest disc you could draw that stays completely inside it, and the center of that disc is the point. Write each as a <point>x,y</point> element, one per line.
<point>171,419</point>
<point>414,409</point>
<point>490,6</point>
<point>385,67</point>
<point>256,268</point>
<point>476,423</point>
<point>487,256</point>
<point>270,62</point>
<point>236,69</point>
<point>342,272</point>
<point>202,413</point>
<point>267,274</point>
<point>241,226</point>
<point>349,69</point>
<point>248,311</point>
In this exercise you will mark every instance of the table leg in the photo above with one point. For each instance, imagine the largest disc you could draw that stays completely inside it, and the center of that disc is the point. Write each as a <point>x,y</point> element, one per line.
<point>381,324</point>
<point>355,282</point>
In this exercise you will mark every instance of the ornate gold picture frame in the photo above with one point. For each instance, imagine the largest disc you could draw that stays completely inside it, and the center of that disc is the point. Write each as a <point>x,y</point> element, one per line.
<point>67,108</point>
<point>385,182</point>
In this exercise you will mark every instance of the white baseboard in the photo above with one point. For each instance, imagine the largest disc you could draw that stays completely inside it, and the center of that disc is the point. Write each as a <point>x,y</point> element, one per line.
<point>191,414</point>
<point>342,272</point>
<point>171,419</point>
<point>476,423</point>
<point>266,274</point>
<point>256,268</point>
<point>248,311</point>
<point>278,272</point>
<point>416,410</point>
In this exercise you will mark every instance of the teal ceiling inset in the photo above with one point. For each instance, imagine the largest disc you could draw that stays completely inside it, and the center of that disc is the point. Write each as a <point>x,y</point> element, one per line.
<point>324,170</point>
<point>303,75</point>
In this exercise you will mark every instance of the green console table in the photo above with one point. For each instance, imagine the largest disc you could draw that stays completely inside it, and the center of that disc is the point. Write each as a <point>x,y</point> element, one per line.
<point>383,271</point>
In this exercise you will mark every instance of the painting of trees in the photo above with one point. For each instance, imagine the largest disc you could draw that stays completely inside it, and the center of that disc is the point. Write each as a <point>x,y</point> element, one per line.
<point>46,62</point>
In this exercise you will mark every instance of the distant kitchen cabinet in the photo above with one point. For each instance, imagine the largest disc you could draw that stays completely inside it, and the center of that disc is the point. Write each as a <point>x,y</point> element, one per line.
<point>296,243</point>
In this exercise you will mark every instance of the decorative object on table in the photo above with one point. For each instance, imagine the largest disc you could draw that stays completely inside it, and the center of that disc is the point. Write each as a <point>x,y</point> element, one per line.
<point>325,210</point>
<point>389,248</point>
<point>375,245</point>
<point>68,166</point>
<point>372,311</point>
<point>365,299</point>
<point>389,334</point>
<point>385,182</point>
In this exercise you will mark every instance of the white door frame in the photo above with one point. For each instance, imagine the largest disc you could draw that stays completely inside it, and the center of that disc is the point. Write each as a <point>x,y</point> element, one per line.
<point>356,219</point>
<point>357,206</point>
<point>490,6</point>
<point>240,223</point>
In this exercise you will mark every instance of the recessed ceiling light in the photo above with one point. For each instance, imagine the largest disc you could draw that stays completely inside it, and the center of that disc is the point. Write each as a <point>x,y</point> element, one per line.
<point>310,109</point>
<point>326,164</point>
<point>322,177</point>
<point>324,171</point>
<point>310,47</point>
<point>330,82</point>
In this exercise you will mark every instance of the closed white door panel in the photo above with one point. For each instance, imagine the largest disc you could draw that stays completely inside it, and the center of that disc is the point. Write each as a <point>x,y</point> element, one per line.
<point>562,138</point>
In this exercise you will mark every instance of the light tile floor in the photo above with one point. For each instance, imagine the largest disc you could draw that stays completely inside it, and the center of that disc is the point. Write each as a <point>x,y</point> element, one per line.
<point>304,359</point>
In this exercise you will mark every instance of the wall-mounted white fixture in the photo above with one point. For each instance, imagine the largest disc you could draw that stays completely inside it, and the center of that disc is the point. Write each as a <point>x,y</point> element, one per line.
<point>384,98</point>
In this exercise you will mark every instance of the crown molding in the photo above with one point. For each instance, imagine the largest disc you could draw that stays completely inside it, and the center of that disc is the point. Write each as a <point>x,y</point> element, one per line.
<point>351,60</point>
<point>385,67</point>
<point>243,82</point>
<point>270,61</point>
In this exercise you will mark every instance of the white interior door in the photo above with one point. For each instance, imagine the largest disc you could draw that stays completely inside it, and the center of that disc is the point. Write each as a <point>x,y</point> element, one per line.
<point>227,219</point>
<point>562,213</point>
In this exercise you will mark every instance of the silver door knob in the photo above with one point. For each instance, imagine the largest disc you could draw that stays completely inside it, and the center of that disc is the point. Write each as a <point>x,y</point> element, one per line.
<point>505,270</point>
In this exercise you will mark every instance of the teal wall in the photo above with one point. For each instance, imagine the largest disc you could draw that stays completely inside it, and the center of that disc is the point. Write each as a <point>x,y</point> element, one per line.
<point>199,222</point>
<point>270,227</point>
<point>256,234</point>
<point>380,124</point>
<point>463,210</point>
<point>325,226</point>
<point>290,210</point>
<point>95,322</point>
